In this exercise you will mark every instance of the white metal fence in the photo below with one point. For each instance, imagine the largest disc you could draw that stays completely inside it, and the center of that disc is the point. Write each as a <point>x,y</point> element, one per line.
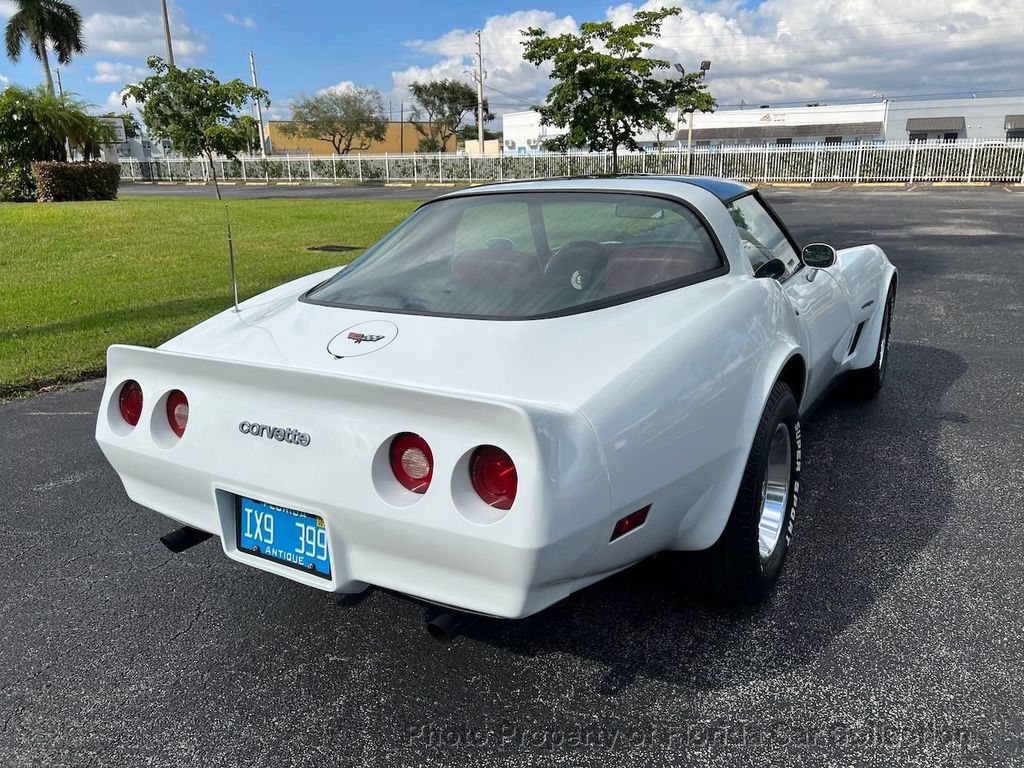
<point>907,162</point>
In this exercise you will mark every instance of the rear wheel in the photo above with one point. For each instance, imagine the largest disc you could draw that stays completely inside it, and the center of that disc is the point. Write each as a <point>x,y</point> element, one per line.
<point>744,564</point>
<point>867,382</point>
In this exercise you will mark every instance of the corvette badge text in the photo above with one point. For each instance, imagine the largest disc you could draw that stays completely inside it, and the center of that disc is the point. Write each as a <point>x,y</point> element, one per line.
<point>281,434</point>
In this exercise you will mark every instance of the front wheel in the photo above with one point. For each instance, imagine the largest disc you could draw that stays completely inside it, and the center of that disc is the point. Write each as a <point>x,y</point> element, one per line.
<point>744,564</point>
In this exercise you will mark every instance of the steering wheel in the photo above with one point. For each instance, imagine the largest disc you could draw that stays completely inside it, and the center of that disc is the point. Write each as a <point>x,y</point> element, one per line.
<point>500,244</point>
<point>579,265</point>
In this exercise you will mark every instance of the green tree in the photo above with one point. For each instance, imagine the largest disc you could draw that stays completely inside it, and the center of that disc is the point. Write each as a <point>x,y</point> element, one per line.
<point>441,107</point>
<point>606,89</point>
<point>350,118</point>
<point>34,126</point>
<point>468,133</point>
<point>40,21</point>
<point>195,111</point>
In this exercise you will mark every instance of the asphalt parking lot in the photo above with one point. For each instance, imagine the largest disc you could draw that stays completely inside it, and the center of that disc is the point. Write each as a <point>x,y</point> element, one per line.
<point>895,637</point>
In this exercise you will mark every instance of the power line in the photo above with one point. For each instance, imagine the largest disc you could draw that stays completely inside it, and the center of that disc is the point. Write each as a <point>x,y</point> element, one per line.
<point>877,97</point>
<point>950,43</point>
<point>510,95</point>
<point>855,26</point>
<point>838,101</point>
<point>845,27</point>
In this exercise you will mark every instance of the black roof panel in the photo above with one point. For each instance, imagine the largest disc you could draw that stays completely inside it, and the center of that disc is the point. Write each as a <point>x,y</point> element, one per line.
<point>723,189</point>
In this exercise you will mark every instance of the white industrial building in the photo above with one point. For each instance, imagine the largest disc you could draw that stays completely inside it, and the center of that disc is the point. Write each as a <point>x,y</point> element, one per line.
<point>986,119</point>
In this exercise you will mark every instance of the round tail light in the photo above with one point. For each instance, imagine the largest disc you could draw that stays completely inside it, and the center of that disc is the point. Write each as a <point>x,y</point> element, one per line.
<point>412,462</point>
<point>177,411</point>
<point>494,476</point>
<point>130,402</point>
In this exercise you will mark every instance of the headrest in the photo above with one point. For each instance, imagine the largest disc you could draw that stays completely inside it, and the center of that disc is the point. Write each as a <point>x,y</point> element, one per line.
<point>484,266</point>
<point>640,266</point>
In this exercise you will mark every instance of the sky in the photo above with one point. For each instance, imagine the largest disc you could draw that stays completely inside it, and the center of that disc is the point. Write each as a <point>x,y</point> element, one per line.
<point>776,52</point>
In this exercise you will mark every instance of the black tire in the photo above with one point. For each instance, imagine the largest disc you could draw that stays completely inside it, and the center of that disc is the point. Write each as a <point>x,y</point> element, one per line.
<point>867,382</point>
<point>734,571</point>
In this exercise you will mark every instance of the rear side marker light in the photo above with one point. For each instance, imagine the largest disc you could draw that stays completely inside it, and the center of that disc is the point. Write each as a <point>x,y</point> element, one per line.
<point>129,401</point>
<point>630,522</point>
<point>494,476</point>
<point>411,461</point>
<point>177,412</point>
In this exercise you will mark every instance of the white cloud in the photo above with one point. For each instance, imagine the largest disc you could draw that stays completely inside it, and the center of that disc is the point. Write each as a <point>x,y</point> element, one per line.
<point>125,29</point>
<point>246,22</point>
<point>510,80</point>
<point>779,51</point>
<point>128,29</point>
<point>279,110</point>
<point>116,72</point>
<point>344,85</point>
<point>4,80</point>
<point>114,103</point>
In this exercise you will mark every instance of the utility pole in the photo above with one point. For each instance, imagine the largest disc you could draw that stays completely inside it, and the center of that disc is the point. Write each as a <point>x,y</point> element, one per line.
<point>401,127</point>
<point>704,67</point>
<point>259,107</point>
<point>479,95</point>
<point>60,86</point>
<point>689,142</point>
<point>167,34</point>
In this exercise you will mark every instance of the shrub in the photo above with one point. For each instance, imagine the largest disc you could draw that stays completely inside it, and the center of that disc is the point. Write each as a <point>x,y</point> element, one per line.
<point>16,185</point>
<point>58,182</point>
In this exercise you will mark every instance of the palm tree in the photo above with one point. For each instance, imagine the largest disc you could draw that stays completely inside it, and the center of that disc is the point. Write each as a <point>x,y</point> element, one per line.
<point>40,21</point>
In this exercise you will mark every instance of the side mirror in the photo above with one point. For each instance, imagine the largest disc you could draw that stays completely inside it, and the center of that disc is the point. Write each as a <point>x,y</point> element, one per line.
<point>818,255</point>
<point>773,268</point>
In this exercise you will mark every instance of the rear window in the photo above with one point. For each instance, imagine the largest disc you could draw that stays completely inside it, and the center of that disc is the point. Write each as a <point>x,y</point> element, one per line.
<point>530,254</point>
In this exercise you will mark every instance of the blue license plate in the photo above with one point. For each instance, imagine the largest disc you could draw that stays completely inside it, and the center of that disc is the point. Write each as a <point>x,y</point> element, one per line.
<point>295,539</point>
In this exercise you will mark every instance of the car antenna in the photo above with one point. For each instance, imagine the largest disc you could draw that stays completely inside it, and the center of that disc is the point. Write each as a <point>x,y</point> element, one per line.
<point>231,256</point>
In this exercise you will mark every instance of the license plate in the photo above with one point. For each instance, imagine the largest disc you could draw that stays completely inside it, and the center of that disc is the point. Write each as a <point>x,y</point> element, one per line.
<point>286,536</point>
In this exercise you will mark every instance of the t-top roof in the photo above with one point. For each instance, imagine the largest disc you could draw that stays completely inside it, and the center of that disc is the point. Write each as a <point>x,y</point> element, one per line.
<point>723,189</point>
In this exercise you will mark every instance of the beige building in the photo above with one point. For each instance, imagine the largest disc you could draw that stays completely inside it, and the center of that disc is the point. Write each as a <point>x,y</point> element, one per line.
<point>492,147</point>
<point>400,138</point>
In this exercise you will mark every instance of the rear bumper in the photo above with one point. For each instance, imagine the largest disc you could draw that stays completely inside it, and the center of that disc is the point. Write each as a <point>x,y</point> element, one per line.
<point>444,546</point>
<point>457,569</point>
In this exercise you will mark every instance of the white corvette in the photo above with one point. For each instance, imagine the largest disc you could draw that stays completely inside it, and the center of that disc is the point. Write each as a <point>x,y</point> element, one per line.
<point>520,390</point>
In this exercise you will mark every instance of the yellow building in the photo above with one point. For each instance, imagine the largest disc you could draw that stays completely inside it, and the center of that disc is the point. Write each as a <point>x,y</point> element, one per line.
<point>401,137</point>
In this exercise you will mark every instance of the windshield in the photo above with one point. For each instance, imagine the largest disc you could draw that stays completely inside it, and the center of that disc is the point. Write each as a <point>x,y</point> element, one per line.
<point>527,254</point>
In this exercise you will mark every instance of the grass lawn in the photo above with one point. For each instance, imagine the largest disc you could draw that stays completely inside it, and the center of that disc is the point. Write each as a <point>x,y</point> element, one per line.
<point>77,277</point>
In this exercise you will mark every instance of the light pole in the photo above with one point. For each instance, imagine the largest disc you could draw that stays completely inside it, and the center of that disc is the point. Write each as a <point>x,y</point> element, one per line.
<point>479,94</point>
<point>704,67</point>
<point>167,34</point>
<point>259,106</point>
